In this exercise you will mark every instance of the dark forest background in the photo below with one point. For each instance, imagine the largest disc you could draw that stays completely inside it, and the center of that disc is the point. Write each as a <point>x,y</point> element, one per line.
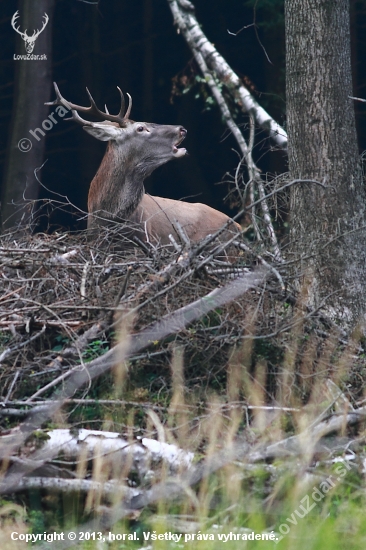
<point>134,45</point>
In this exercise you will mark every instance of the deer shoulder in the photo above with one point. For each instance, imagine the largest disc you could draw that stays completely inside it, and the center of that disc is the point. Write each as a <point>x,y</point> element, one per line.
<point>134,151</point>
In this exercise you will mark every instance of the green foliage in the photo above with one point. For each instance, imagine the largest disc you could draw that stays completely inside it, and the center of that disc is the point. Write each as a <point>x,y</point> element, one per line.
<point>212,319</point>
<point>95,349</point>
<point>268,350</point>
<point>36,521</point>
<point>61,342</point>
<point>37,438</point>
<point>203,92</point>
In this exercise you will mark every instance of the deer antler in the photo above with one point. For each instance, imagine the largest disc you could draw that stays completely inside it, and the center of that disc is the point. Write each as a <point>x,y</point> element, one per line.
<point>121,119</point>
<point>37,32</point>
<point>24,34</point>
<point>13,20</point>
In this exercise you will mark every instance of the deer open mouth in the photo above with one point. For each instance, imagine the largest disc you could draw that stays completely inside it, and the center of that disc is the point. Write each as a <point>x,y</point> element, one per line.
<point>175,146</point>
<point>180,151</point>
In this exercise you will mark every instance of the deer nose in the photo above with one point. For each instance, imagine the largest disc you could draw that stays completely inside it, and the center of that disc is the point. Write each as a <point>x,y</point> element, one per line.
<point>183,132</point>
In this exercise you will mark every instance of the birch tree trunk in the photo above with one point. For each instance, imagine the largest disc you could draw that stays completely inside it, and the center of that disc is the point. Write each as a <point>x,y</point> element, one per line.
<point>326,224</point>
<point>185,19</point>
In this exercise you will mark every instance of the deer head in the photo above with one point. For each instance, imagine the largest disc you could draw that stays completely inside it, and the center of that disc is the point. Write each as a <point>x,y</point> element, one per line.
<point>134,150</point>
<point>29,40</point>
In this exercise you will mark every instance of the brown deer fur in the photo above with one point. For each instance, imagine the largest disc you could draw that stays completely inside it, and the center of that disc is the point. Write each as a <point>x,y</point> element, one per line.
<point>117,192</point>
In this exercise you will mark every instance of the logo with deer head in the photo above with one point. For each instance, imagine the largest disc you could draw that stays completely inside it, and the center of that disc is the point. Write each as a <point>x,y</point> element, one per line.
<point>29,40</point>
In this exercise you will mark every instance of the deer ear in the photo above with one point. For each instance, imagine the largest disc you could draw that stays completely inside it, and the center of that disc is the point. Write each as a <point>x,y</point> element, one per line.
<point>103,133</point>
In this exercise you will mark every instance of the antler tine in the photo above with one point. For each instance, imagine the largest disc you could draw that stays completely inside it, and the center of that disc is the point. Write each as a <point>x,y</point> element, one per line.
<point>79,120</point>
<point>59,99</point>
<point>14,18</point>
<point>38,32</point>
<point>62,101</point>
<point>127,115</point>
<point>122,109</point>
<point>120,119</point>
<point>93,109</point>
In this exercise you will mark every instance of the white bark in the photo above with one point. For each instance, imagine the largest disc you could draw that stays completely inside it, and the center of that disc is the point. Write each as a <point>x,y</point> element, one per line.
<point>107,488</point>
<point>111,447</point>
<point>188,25</point>
<point>207,57</point>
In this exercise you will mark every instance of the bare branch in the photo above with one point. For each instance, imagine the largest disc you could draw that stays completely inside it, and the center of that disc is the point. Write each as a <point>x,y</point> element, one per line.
<point>197,41</point>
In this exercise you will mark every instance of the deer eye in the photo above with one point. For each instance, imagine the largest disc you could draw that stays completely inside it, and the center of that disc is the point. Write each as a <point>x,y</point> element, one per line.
<point>140,128</point>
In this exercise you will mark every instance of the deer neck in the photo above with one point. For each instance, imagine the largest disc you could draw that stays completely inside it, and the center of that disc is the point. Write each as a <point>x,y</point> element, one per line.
<point>117,188</point>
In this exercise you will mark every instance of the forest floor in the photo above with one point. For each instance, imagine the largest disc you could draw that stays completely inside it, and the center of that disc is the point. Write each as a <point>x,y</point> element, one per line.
<point>218,358</point>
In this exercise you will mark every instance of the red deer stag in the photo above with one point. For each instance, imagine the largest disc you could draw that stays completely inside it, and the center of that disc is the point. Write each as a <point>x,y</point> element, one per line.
<point>134,150</point>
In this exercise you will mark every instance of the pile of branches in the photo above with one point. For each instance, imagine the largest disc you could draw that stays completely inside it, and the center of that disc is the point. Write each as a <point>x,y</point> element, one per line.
<point>62,292</point>
<point>59,293</point>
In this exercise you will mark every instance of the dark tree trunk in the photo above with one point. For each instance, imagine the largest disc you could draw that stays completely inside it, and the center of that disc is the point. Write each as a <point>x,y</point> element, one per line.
<point>32,89</point>
<point>326,224</point>
<point>91,150</point>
